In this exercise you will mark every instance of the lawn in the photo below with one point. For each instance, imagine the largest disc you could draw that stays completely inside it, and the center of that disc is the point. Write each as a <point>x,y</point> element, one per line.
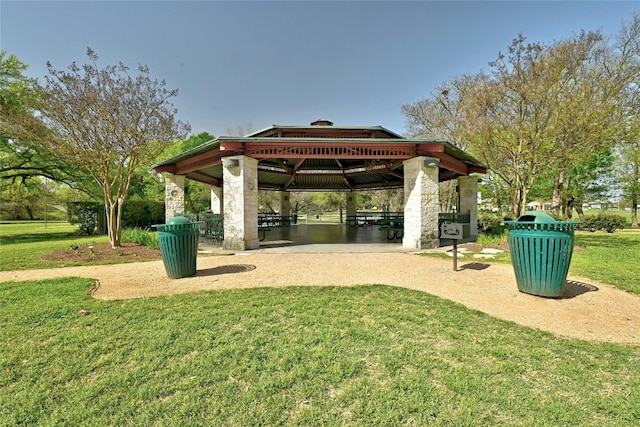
<point>22,244</point>
<point>361,356</point>
<point>612,258</point>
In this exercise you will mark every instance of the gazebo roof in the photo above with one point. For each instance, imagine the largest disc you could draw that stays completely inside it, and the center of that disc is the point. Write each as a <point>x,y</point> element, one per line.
<point>321,157</point>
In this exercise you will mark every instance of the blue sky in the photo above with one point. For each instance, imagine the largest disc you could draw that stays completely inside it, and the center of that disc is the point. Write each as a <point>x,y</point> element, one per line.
<point>262,63</point>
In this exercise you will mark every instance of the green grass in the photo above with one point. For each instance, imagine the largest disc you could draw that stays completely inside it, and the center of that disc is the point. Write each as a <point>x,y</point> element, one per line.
<point>329,217</point>
<point>360,356</point>
<point>494,237</point>
<point>609,257</point>
<point>22,243</point>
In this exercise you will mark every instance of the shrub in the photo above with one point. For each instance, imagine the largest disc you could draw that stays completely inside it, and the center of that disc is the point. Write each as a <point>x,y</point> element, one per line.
<point>83,214</point>
<point>142,214</point>
<point>488,220</point>
<point>603,221</point>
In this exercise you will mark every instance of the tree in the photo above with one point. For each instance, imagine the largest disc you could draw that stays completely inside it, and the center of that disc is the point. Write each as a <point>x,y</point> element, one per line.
<point>299,201</point>
<point>628,150</point>
<point>110,124</point>
<point>521,125</point>
<point>389,199</point>
<point>629,177</point>
<point>24,159</point>
<point>442,116</point>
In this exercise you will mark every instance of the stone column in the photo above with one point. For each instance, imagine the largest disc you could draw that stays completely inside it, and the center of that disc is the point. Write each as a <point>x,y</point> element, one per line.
<point>173,196</point>
<point>468,202</point>
<point>352,207</point>
<point>285,203</point>
<point>216,199</point>
<point>240,198</point>
<point>421,203</point>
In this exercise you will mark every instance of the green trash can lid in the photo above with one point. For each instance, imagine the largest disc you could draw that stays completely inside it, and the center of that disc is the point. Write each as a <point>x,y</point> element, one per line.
<point>539,217</point>
<point>178,220</point>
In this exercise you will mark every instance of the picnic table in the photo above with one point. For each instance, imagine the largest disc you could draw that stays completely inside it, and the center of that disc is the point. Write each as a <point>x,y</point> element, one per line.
<point>394,226</point>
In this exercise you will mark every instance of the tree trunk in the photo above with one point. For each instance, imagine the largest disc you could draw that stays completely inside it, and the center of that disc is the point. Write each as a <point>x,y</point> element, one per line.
<point>556,200</point>
<point>634,212</point>
<point>568,213</point>
<point>113,215</point>
<point>447,195</point>
<point>519,199</point>
<point>29,212</point>
<point>498,200</point>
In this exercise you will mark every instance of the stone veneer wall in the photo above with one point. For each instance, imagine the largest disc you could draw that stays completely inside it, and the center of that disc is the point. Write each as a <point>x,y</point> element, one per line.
<point>421,203</point>
<point>352,208</point>
<point>468,194</point>
<point>216,199</point>
<point>173,196</point>
<point>285,203</point>
<point>240,198</point>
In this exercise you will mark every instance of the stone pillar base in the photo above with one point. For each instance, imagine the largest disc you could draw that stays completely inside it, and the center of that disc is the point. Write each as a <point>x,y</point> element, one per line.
<point>173,196</point>
<point>240,245</point>
<point>240,198</point>
<point>421,203</point>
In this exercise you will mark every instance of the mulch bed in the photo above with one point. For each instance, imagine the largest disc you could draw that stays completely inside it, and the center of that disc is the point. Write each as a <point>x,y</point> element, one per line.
<point>99,252</point>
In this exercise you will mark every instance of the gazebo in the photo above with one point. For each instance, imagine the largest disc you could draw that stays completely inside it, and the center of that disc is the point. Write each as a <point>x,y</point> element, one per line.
<point>317,157</point>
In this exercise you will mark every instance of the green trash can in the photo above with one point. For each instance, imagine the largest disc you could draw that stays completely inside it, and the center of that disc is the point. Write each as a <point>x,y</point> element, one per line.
<point>178,240</point>
<point>541,250</point>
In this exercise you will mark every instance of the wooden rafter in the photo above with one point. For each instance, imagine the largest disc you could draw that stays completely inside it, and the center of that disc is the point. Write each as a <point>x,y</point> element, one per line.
<point>204,178</point>
<point>293,173</point>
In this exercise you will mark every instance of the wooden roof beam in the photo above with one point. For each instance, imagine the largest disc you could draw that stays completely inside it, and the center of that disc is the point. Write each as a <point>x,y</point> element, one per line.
<point>203,160</point>
<point>293,173</point>
<point>451,163</point>
<point>204,178</point>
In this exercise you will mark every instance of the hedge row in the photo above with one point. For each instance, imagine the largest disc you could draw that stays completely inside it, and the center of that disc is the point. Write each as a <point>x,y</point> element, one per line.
<point>603,221</point>
<point>90,216</point>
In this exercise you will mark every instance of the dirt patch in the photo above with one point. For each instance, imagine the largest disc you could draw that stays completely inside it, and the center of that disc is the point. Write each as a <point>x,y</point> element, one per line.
<point>102,252</point>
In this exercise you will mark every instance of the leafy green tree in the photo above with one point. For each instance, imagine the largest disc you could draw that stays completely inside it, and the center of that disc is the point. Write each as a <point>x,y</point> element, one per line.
<point>25,162</point>
<point>109,124</point>
<point>300,201</point>
<point>628,150</point>
<point>541,109</point>
<point>268,201</point>
<point>629,177</point>
<point>535,112</point>
<point>389,200</point>
<point>442,116</point>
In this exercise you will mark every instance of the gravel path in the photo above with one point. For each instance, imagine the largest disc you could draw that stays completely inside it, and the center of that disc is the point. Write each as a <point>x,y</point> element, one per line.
<point>588,310</point>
